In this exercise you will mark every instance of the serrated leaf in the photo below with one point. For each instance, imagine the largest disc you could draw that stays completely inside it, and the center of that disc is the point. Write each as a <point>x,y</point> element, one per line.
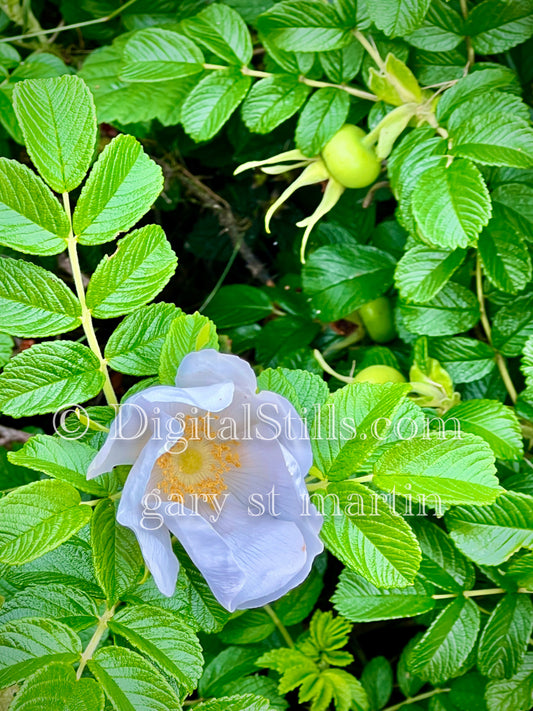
<point>34,302</point>
<point>360,601</point>
<point>504,254</point>
<point>504,640</point>
<point>513,325</point>
<point>495,139</point>
<point>56,684</point>
<point>442,563</point>
<point>212,101</point>
<point>342,65</point>
<point>476,83</point>
<point>272,101</point>
<point>135,345</point>
<point>440,31</point>
<point>451,205</point>
<point>423,271</point>
<point>246,702</point>
<point>498,25</point>
<point>49,376</point>
<point>453,310</point>
<point>514,693</point>
<point>64,459</point>
<point>324,114</point>
<point>58,121</point>
<point>398,17</point>
<point>517,200</point>
<point>117,559</point>
<point>304,26</point>
<point>165,639</point>
<point>228,665</point>
<point>341,278</point>
<point>450,471</point>
<point>465,359</point>
<point>489,535</point>
<point>305,390</point>
<point>494,422</point>
<point>6,348</point>
<point>31,219</point>
<point>238,305</point>
<point>223,31</point>
<point>59,602</point>
<point>377,680</point>
<point>382,548</point>
<point>490,101</point>
<point>155,55</point>
<point>26,645</point>
<point>447,643</point>
<point>191,332</point>
<point>130,682</point>
<point>37,518</point>
<point>140,267</point>
<point>120,189</point>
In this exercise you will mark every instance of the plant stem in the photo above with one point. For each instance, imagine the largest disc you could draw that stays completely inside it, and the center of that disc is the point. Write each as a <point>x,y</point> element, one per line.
<point>414,699</point>
<point>279,624</point>
<point>86,318</point>
<point>58,29</point>
<point>500,361</point>
<point>95,640</point>
<point>370,48</point>
<point>478,593</point>
<point>470,54</point>
<point>329,370</point>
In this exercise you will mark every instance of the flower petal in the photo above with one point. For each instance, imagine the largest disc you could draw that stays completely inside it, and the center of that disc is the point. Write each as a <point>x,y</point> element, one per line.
<point>209,367</point>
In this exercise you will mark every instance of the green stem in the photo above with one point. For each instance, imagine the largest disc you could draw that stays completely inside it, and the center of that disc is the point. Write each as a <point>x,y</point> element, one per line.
<point>86,318</point>
<point>279,624</point>
<point>370,48</point>
<point>222,277</point>
<point>478,593</point>
<point>414,699</point>
<point>329,370</point>
<point>58,29</point>
<point>470,54</point>
<point>95,640</point>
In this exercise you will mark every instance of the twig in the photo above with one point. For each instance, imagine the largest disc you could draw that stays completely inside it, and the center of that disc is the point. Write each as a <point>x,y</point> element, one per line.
<point>229,223</point>
<point>8,435</point>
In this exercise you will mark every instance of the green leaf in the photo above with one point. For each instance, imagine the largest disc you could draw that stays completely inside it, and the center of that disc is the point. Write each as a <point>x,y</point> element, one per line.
<point>304,26</point>
<point>305,390</point>
<point>272,101</point>
<point>441,30</point>
<point>64,459</point>
<point>187,333</point>
<point>154,55</point>
<point>360,601</point>
<point>341,278</point>
<point>517,200</point>
<point>447,643</point>
<point>27,645</point>
<point>527,362</point>
<point>165,639</point>
<point>451,205</point>
<point>324,114</point>
<point>504,254</point>
<point>135,345</point>
<point>497,25</point>
<point>228,665</point>
<point>513,325</point>
<point>489,535</point>
<point>31,219</point>
<point>477,83</point>
<point>504,640</point>
<point>423,271</point>
<point>141,266</point>
<point>237,305</point>
<point>494,422</point>
<point>398,17</point>
<point>282,338</point>
<point>342,65</point>
<point>495,139</point>
<point>56,686</point>
<point>246,702</point>
<point>222,31</point>
<point>212,101</point>
<point>6,348</point>
<point>59,602</point>
<point>377,680</point>
<point>130,682</point>
<point>37,518</point>
<point>49,376</point>
<point>367,536</point>
<point>453,310</point>
<point>34,302</point>
<point>442,564</point>
<point>450,471</point>
<point>118,562</point>
<point>490,101</point>
<point>120,189</point>
<point>465,359</point>
<point>58,120</point>
<point>514,693</point>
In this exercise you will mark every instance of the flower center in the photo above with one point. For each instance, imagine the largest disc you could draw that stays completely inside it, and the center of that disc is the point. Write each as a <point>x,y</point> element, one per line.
<point>196,464</point>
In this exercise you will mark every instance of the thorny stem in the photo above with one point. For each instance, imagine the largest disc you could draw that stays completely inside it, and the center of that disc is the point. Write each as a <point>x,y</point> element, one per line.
<point>477,593</point>
<point>500,361</point>
<point>95,640</point>
<point>279,624</point>
<point>414,699</point>
<point>56,30</point>
<point>86,318</point>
